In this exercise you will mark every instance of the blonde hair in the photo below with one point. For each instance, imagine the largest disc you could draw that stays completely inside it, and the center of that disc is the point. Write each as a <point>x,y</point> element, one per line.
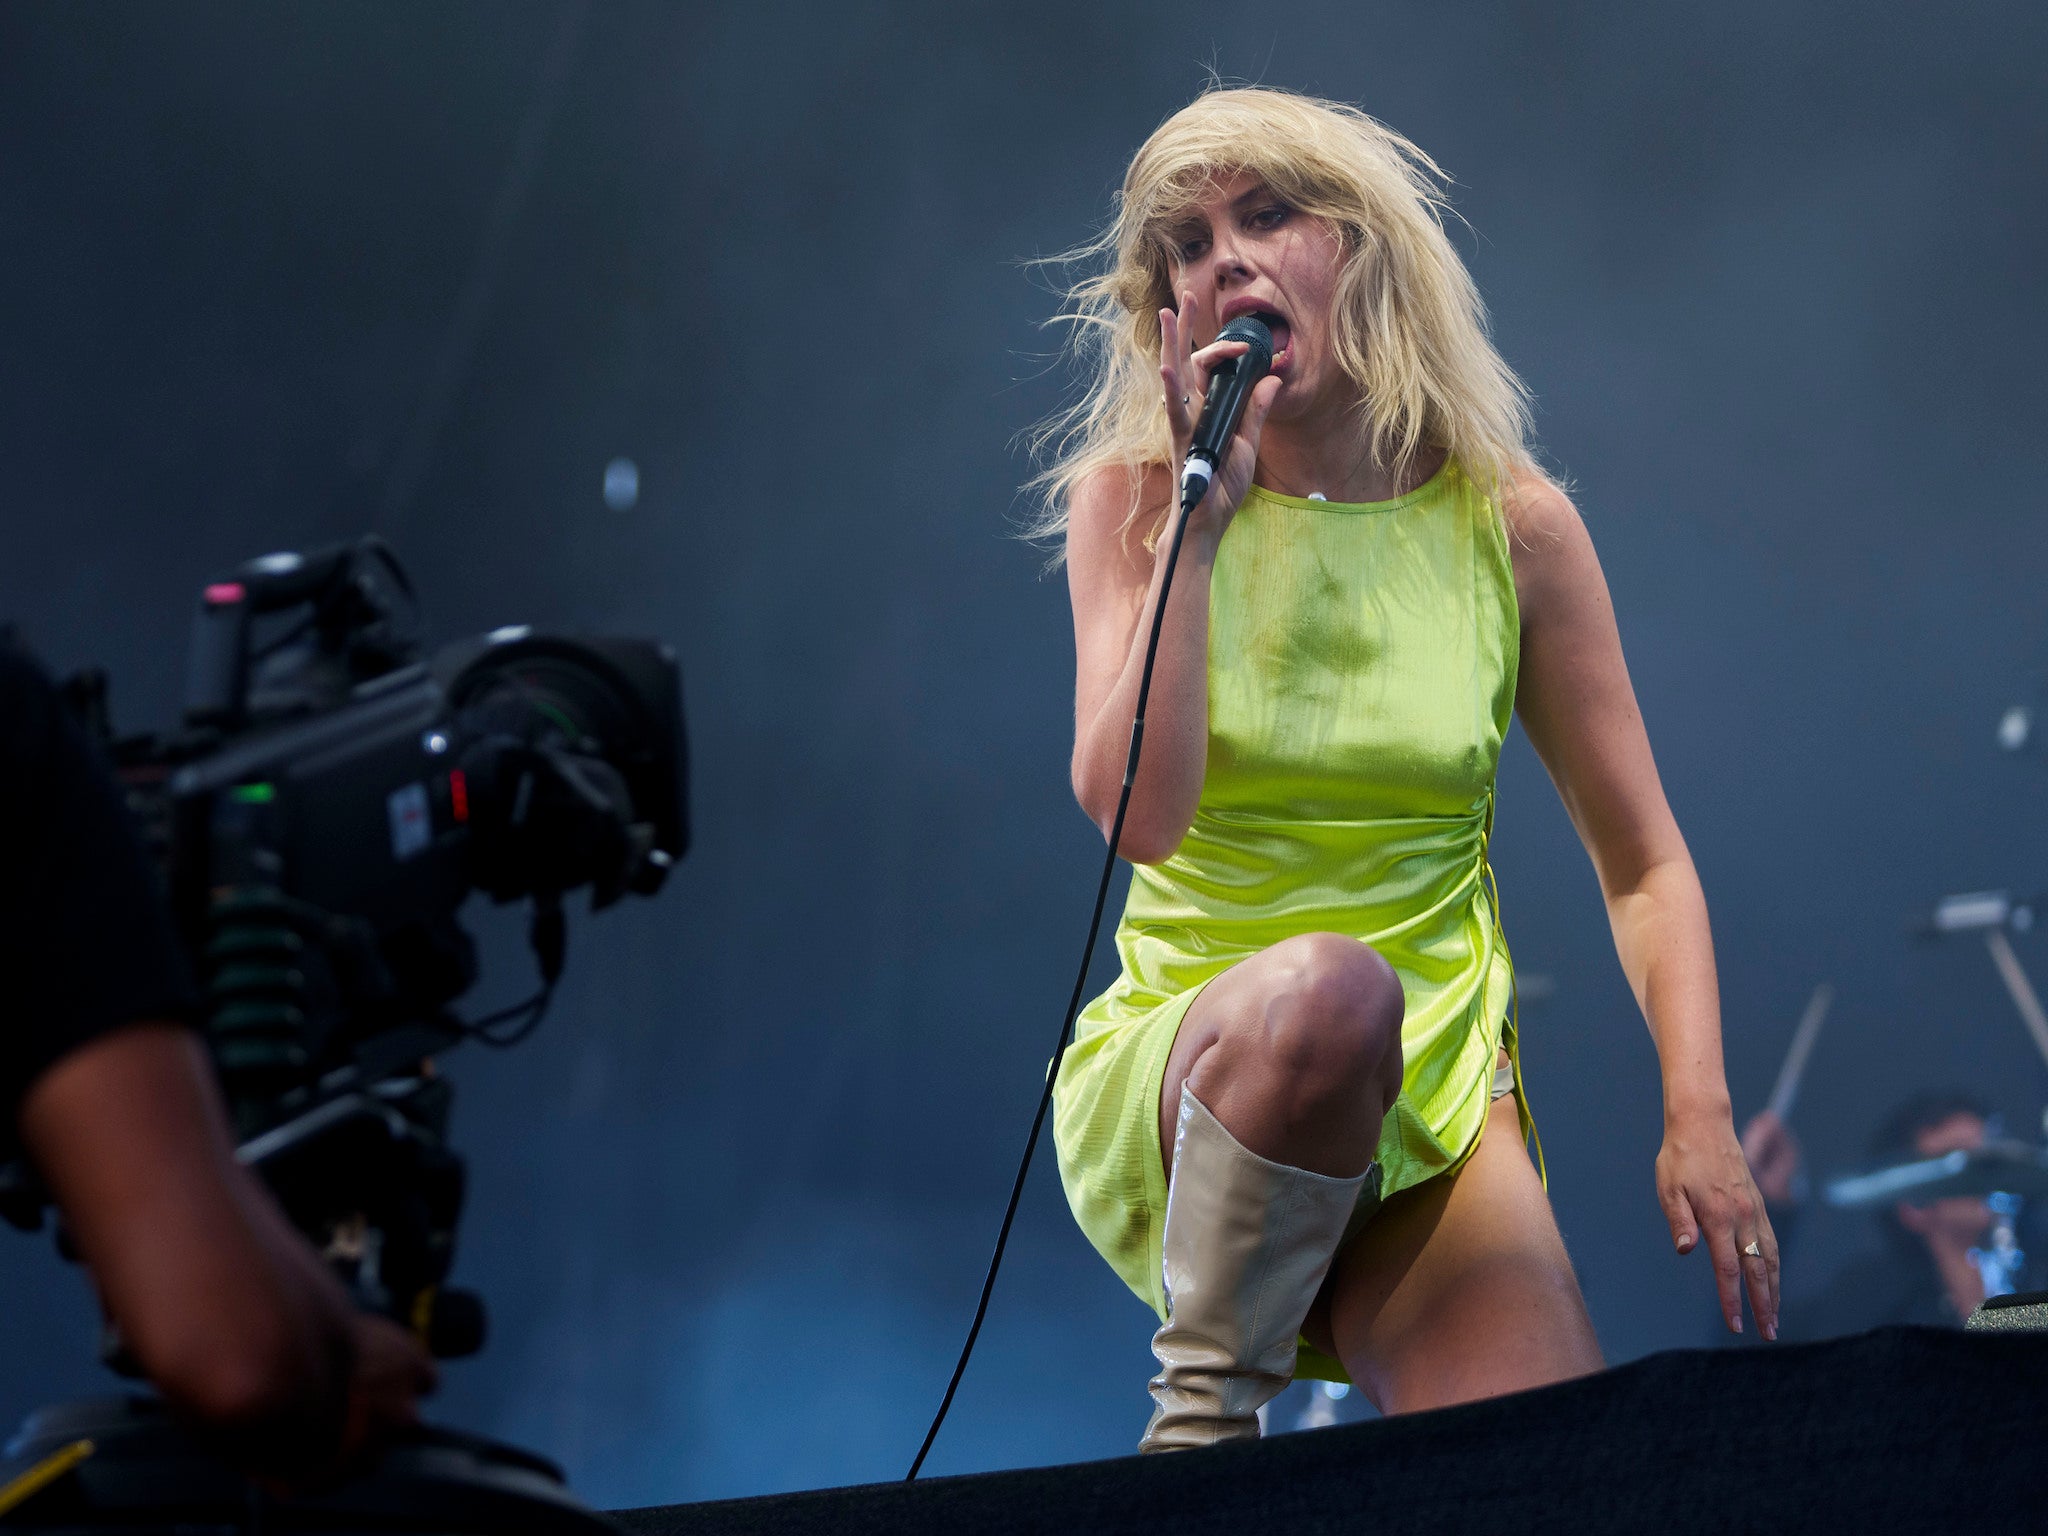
<point>1408,327</point>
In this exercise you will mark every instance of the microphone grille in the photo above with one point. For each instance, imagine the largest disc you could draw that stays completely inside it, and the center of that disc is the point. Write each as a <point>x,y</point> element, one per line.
<point>1251,330</point>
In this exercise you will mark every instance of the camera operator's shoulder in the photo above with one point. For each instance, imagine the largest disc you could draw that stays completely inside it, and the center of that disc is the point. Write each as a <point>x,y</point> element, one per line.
<point>29,703</point>
<point>19,670</point>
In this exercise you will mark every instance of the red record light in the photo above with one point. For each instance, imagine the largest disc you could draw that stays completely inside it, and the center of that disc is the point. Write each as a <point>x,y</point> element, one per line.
<point>458,795</point>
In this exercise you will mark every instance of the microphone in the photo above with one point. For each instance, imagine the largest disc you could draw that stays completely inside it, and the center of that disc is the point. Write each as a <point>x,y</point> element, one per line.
<point>1230,385</point>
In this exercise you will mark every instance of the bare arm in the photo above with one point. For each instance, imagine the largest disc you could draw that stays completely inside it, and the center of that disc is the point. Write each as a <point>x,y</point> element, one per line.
<point>226,1308</point>
<point>1579,708</point>
<point>1113,582</point>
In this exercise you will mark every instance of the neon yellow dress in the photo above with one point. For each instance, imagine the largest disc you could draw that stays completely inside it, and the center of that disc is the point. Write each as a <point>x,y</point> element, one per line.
<point>1361,679</point>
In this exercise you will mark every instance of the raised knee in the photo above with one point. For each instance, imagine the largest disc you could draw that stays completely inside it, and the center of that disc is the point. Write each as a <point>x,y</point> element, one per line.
<point>1334,1016</point>
<point>1329,975</point>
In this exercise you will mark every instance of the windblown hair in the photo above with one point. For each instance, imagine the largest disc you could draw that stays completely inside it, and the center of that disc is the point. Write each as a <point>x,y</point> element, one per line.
<point>1408,326</point>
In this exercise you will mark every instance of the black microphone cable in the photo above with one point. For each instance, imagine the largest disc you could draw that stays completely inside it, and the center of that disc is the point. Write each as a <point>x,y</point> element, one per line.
<point>1228,389</point>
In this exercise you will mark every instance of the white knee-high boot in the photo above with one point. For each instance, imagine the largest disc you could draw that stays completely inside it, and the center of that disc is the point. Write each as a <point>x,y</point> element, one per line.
<point>1246,1247</point>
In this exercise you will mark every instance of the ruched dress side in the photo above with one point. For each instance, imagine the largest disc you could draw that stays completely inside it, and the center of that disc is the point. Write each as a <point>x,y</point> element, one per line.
<point>1362,663</point>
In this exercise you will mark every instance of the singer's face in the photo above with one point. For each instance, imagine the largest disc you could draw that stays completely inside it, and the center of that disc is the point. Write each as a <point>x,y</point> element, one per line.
<point>1241,250</point>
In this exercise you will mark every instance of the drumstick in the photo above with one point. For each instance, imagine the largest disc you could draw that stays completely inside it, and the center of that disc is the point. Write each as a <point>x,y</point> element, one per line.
<point>1787,1087</point>
<point>2014,975</point>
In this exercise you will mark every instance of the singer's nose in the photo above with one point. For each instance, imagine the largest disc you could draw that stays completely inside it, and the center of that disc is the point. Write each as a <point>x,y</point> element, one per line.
<point>1228,260</point>
<point>1231,267</point>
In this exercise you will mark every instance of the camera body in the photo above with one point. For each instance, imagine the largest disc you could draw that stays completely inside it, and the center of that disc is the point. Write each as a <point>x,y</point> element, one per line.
<point>328,803</point>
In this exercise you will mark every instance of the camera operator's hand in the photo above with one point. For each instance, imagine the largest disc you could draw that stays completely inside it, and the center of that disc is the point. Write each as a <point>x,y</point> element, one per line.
<point>227,1309</point>
<point>391,1373</point>
<point>388,1368</point>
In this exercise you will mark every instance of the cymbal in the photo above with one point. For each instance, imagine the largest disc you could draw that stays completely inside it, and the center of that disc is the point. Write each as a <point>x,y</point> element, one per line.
<point>2014,1167</point>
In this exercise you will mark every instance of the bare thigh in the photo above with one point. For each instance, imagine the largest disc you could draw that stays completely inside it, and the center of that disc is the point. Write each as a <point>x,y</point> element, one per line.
<point>1459,1288</point>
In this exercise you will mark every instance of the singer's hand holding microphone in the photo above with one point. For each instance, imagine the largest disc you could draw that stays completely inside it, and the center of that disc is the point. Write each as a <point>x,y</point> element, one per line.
<point>1216,403</point>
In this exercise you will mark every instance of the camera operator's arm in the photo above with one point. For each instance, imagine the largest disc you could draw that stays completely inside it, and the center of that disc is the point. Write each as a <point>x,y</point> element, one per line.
<point>224,1306</point>
<point>191,1259</point>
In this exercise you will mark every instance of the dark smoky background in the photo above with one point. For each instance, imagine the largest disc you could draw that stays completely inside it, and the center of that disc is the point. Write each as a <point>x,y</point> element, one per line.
<point>274,275</point>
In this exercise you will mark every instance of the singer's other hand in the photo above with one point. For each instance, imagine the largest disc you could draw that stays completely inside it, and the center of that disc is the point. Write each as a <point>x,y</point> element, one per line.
<point>1710,1197</point>
<point>1184,371</point>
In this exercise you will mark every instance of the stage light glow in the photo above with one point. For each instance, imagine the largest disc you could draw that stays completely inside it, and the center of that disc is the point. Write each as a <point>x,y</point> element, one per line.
<point>621,485</point>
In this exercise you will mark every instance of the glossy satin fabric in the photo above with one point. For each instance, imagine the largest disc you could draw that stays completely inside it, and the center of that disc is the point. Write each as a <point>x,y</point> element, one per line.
<point>1361,679</point>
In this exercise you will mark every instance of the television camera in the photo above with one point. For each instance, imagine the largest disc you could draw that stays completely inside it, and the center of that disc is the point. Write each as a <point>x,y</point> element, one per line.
<point>329,800</point>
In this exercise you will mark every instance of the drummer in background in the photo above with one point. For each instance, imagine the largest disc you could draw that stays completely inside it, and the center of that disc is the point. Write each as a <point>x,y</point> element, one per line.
<point>1925,1273</point>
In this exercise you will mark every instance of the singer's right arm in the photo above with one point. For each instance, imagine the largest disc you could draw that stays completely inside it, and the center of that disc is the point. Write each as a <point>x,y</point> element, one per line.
<point>1114,583</point>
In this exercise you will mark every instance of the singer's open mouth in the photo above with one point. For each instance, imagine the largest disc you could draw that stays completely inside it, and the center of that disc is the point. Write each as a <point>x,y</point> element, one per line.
<point>1277,324</point>
<point>1272,319</point>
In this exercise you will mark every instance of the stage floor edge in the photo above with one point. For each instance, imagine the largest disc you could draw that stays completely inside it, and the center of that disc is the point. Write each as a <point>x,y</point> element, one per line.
<point>1900,1430</point>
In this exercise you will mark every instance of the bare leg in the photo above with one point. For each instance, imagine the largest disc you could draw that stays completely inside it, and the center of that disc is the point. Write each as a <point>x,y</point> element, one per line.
<point>1459,1289</point>
<point>1269,1114</point>
<point>1296,1051</point>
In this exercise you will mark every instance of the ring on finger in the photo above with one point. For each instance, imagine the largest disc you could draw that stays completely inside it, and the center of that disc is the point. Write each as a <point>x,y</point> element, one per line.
<point>1752,1250</point>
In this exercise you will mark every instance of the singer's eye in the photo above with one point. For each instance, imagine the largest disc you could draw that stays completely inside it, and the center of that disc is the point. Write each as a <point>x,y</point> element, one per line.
<point>1270,218</point>
<point>1192,247</point>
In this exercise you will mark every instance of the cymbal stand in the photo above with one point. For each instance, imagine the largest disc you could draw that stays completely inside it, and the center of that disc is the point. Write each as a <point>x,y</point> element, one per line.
<point>1991,913</point>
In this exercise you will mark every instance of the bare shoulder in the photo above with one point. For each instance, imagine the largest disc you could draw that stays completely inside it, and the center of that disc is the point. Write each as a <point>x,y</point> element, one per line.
<point>1112,514</point>
<point>1541,517</point>
<point>1552,552</point>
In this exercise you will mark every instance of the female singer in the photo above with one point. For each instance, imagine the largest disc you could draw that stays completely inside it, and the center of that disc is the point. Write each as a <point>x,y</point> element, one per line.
<point>1297,1115</point>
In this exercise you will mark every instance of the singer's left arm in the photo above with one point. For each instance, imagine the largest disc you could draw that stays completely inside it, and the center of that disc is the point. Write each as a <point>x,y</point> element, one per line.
<point>1579,709</point>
